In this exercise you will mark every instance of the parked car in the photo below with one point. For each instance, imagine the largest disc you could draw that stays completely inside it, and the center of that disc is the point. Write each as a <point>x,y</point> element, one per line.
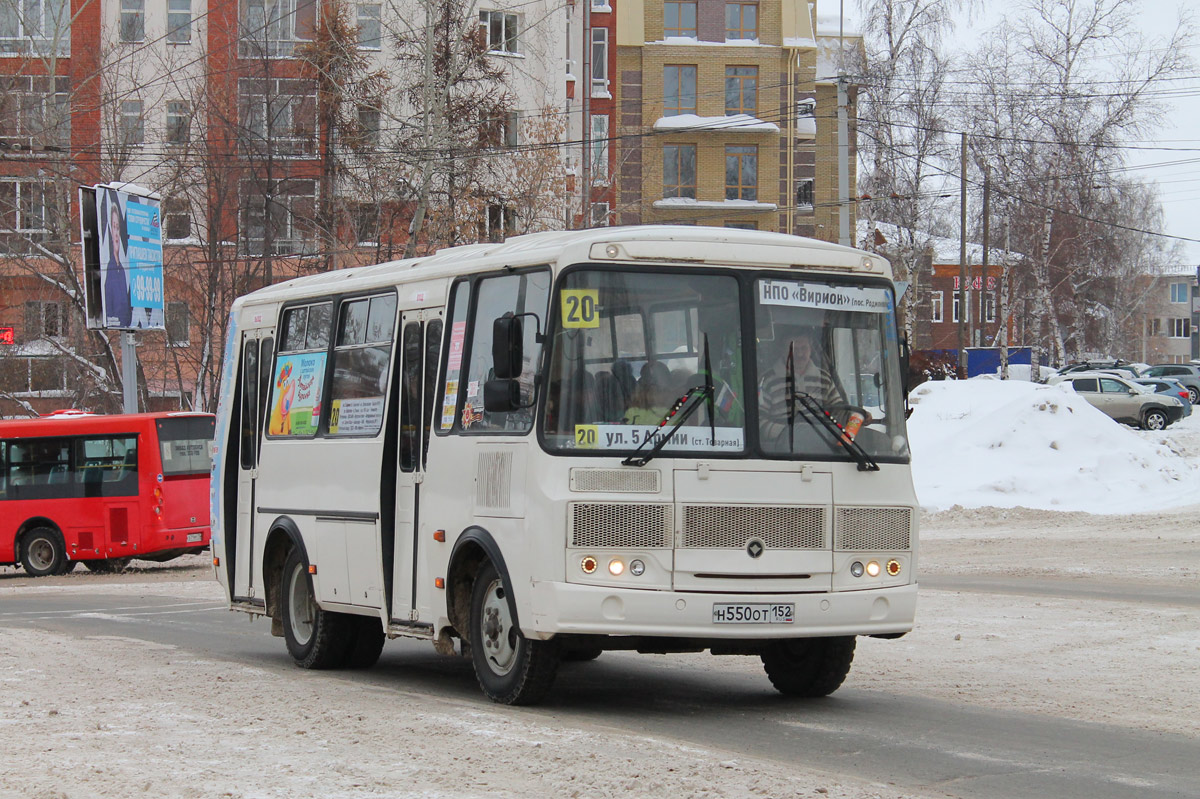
<point>1186,373</point>
<point>1126,368</point>
<point>1169,386</point>
<point>1124,401</point>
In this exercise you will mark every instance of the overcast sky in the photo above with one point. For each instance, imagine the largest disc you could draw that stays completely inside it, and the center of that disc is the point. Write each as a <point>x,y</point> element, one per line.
<point>1176,171</point>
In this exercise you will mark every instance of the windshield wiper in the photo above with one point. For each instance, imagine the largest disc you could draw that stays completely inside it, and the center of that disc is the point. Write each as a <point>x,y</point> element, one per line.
<point>817,413</point>
<point>705,390</point>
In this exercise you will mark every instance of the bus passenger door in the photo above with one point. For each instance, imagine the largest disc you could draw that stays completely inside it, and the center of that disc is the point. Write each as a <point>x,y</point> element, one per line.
<point>255,377</point>
<point>420,343</point>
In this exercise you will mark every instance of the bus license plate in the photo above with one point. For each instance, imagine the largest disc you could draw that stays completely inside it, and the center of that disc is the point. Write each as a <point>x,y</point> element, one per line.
<point>738,613</point>
<point>195,537</point>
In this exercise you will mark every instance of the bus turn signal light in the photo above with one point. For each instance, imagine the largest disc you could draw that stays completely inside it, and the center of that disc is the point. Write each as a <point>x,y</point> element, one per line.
<point>439,582</point>
<point>588,564</point>
<point>216,561</point>
<point>439,535</point>
<point>312,568</point>
<point>893,567</point>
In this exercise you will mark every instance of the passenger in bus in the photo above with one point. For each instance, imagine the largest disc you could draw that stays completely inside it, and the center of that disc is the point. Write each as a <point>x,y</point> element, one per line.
<point>651,395</point>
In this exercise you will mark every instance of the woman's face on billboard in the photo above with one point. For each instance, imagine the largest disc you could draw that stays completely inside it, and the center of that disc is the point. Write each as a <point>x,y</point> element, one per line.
<point>114,231</point>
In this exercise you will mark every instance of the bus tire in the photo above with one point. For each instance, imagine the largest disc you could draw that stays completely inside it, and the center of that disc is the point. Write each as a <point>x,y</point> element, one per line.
<point>316,638</point>
<point>808,667</point>
<point>366,642</point>
<point>511,669</point>
<point>43,552</point>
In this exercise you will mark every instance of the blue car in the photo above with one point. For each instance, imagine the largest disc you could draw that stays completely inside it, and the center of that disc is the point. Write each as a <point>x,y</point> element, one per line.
<point>1170,387</point>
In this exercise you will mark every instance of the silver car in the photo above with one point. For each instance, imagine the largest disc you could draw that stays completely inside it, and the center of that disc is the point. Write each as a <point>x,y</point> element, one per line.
<point>1123,401</point>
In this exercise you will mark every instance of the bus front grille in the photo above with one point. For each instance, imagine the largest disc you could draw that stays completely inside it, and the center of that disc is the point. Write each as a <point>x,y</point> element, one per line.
<point>596,524</point>
<point>732,526</point>
<point>884,529</point>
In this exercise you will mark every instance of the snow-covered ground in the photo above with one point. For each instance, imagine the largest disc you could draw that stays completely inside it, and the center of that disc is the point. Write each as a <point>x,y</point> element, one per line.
<point>1006,444</point>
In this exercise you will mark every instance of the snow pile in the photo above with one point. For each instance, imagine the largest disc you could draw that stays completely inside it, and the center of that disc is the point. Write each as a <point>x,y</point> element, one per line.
<point>985,442</point>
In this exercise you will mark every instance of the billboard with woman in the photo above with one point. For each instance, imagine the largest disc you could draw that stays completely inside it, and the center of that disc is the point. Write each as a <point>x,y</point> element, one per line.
<point>128,232</point>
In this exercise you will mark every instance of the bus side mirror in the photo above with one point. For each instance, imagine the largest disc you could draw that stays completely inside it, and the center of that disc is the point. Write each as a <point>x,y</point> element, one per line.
<point>905,365</point>
<point>502,395</point>
<point>508,348</point>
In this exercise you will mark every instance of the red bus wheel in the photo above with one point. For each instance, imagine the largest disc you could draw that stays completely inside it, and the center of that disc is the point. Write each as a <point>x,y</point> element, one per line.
<point>43,552</point>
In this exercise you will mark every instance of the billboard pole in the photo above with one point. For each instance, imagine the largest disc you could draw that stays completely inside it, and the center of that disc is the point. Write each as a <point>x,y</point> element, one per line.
<point>129,371</point>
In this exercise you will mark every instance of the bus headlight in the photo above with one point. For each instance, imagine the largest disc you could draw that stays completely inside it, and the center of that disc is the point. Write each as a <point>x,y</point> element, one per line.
<point>856,569</point>
<point>616,567</point>
<point>873,568</point>
<point>637,568</point>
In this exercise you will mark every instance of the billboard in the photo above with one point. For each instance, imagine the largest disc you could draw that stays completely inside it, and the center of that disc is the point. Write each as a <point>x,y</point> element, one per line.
<point>123,264</point>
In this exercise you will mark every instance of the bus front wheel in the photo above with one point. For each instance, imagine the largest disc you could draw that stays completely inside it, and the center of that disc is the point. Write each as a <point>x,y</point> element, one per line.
<point>511,669</point>
<point>316,638</point>
<point>808,667</point>
<point>43,552</point>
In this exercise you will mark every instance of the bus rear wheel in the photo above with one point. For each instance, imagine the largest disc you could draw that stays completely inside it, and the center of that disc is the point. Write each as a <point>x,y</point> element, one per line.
<point>808,667</point>
<point>316,638</point>
<point>511,669</point>
<point>43,552</point>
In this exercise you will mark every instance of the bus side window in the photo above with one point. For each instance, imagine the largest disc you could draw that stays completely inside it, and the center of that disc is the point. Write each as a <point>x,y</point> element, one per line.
<point>410,395</point>
<point>249,402</point>
<point>265,359</point>
<point>433,347</point>
<point>3,470</point>
<point>452,391</point>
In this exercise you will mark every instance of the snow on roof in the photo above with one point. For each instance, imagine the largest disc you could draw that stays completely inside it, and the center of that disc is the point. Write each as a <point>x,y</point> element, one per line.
<point>1038,446</point>
<point>742,123</point>
<point>688,202</point>
<point>945,250</point>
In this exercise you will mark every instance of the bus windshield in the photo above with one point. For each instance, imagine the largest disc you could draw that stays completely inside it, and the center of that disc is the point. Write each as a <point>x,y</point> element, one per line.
<point>627,346</point>
<point>834,345</point>
<point>184,444</point>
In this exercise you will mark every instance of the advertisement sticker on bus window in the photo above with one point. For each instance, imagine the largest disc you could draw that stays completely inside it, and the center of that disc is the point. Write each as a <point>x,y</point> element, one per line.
<point>580,307</point>
<point>356,416</point>
<point>296,399</point>
<point>863,299</point>
<point>458,335</point>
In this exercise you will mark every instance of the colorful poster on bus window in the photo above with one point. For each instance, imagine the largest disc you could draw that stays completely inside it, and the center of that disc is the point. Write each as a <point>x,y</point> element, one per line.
<point>458,336</point>
<point>296,399</point>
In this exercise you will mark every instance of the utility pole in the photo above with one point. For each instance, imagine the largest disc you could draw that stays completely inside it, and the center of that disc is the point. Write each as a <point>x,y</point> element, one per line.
<point>987,245</point>
<point>962,265</point>
<point>585,84</point>
<point>843,136</point>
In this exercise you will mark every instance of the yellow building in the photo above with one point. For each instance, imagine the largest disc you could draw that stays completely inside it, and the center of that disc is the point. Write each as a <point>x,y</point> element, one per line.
<point>727,115</point>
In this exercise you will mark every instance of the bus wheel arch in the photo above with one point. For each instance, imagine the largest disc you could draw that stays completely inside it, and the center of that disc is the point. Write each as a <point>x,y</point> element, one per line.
<point>283,538</point>
<point>472,551</point>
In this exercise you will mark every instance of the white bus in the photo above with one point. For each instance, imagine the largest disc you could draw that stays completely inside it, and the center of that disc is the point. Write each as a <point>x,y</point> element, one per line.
<point>611,439</point>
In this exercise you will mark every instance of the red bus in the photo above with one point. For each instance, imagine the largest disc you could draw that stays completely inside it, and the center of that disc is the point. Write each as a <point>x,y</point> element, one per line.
<point>103,489</point>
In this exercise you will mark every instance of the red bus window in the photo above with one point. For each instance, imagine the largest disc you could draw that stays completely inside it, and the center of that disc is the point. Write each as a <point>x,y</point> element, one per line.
<point>184,444</point>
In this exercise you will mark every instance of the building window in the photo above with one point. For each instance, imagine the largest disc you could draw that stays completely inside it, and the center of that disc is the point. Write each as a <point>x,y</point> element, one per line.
<point>27,215</point>
<point>278,221</point>
<point>804,194</point>
<point>45,319</point>
<point>600,148</point>
<point>679,170</point>
<point>499,31</point>
<point>36,27</point>
<point>742,225</point>
<point>133,125</point>
<point>679,90</point>
<point>34,111</point>
<point>179,21</point>
<point>1179,292</point>
<point>272,28</point>
<point>368,128</point>
<point>501,222</point>
<point>955,308</point>
<point>679,18</point>
<point>741,172</point>
<point>278,114</point>
<point>370,26</point>
<point>177,218</point>
<point>600,62</point>
<point>177,322</point>
<point>741,90</point>
<point>936,306</point>
<point>1180,328</point>
<point>133,20</point>
<point>1154,327</point>
<point>599,214</point>
<point>365,219</point>
<point>741,21</point>
<point>989,309</point>
<point>512,128</point>
<point>179,122</point>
